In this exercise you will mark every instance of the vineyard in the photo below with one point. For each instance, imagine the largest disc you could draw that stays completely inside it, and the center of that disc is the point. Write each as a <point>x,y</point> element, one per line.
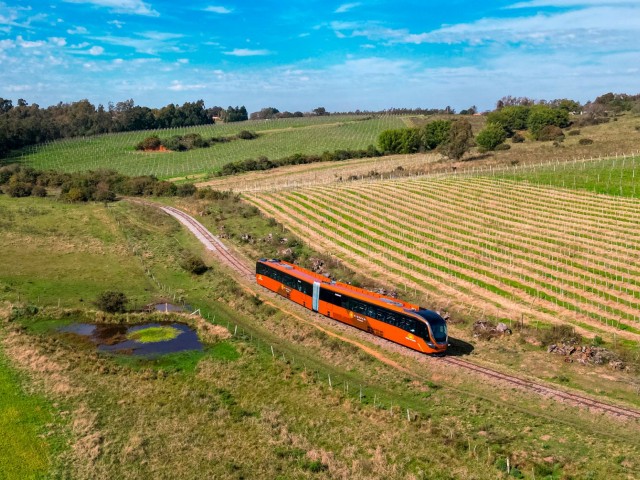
<point>277,139</point>
<point>499,248</point>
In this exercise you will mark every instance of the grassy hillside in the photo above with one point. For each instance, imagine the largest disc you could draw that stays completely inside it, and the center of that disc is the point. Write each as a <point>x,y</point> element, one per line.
<point>278,138</point>
<point>317,407</point>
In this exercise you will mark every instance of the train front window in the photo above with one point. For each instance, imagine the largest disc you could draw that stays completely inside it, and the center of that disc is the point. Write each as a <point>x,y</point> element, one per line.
<point>437,325</point>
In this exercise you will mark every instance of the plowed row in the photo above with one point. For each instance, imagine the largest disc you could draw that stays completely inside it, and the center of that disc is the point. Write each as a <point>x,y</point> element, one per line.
<point>506,248</point>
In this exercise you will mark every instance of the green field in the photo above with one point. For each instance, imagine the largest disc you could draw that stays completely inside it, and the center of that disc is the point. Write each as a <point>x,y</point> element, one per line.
<point>24,419</point>
<point>617,176</point>
<point>278,138</point>
<point>317,407</point>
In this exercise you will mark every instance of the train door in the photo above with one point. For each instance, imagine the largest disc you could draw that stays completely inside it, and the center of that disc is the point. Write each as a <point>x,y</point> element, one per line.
<point>316,296</point>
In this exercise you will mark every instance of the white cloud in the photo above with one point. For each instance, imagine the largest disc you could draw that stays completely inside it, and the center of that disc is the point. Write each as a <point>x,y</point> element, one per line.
<point>572,3</point>
<point>95,51</point>
<point>150,43</point>
<point>77,31</point>
<point>131,7</point>
<point>29,44</point>
<point>57,41</point>
<point>178,86</point>
<point>246,52</point>
<point>345,7</point>
<point>616,26</point>
<point>218,9</point>
<point>117,23</point>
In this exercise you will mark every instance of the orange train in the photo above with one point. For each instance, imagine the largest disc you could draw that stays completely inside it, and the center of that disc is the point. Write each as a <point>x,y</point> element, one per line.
<point>401,322</point>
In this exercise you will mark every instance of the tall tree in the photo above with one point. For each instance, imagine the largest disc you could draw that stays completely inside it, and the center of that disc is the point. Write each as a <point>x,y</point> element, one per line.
<point>459,140</point>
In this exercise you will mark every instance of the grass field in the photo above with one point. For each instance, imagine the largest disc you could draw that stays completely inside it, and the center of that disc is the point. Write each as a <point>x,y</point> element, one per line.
<point>25,418</point>
<point>278,138</point>
<point>239,411</point>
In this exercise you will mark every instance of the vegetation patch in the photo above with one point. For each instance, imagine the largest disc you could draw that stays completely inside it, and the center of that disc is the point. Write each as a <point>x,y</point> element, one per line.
<point>154,334</point>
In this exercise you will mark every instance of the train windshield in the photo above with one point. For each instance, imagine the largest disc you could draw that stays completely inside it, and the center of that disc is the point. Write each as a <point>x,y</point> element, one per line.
<point>437,325</point>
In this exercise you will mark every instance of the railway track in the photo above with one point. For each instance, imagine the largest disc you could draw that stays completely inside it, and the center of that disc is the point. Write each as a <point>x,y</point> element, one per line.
<point>214,244</point>
<point>210,241</point>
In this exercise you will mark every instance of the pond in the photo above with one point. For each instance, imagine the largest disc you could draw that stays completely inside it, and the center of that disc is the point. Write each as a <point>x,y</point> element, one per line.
<point>150,339</point>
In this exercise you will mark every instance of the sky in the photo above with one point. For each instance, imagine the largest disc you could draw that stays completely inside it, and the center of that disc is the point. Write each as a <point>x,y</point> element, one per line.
<point>299,55</point>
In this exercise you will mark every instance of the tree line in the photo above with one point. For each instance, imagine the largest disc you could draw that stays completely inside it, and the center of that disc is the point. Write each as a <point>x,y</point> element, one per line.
<point>22,124</point>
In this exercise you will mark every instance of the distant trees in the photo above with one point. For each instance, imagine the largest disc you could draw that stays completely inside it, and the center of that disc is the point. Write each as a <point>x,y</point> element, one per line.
<point>413,140</point>
<point>190,141</point>
<point>529,117</point>
<point>235,114</point>
<point>25,124</point>
<point>265,114</point>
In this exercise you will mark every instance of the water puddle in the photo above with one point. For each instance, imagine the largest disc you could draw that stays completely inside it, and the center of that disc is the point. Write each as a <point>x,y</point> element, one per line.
<point>151,339</point>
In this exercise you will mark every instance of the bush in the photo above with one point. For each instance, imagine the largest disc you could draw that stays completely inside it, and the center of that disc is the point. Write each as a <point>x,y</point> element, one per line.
<point>502,147</point>
<point>185,190</point>
<point>517,138</point>
<point>550,133</point>
<point>149,143</point>
<point>585,141</point>
<point>247,135</point>
<point>541,117</point>
<point>39,191</point>
<point>18,189</point>
<point>491,136</point>
<point>193,264</point>
<point>112,302</point>
<point>74,195</point>
<point>573,133</point>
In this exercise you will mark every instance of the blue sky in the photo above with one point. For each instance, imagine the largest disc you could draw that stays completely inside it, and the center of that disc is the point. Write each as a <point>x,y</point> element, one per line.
<point>299,55</point>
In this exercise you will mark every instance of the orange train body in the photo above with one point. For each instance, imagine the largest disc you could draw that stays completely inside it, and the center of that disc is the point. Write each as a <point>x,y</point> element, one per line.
<point>401,322</point>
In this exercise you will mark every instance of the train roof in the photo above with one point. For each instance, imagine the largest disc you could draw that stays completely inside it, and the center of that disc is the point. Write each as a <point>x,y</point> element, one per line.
<point>357,292</point>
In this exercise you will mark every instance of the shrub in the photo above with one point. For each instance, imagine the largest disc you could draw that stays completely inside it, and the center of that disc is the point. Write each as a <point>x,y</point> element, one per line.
<point>39,191</point>
<point>573,133</point>
<point>149,143</point>
<point>74,195</point>
<point>247,135</point>
<point>517,138</point>
<point>502,147</point>
<point>18,189</point>
<point>491,136</point>
<point>112,302</point>
<point>185,190</point>
<point>193,264</point>
<point>541,116</point>
<point>550,133</point>
<point>585,141</point>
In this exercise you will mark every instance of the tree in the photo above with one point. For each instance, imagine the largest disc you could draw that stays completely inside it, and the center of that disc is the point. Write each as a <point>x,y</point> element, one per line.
<point>390,141</point>
<point>459,140</point>
<point>542,116</point>
<point>511,118</point>
<point>491,136</point>
<point>435,133</point>
<point>112,302</point>
<point>320,111</point>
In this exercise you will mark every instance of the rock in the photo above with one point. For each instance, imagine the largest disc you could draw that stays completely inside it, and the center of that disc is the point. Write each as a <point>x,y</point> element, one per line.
<point>502,328</point>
